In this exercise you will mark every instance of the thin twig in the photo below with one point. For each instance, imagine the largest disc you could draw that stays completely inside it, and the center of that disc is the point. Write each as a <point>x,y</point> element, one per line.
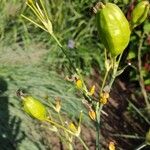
<point>141,80</point>
<point>128,136</point>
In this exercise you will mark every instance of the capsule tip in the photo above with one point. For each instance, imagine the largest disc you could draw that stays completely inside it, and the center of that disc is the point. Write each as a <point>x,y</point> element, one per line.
<point>98,7</point>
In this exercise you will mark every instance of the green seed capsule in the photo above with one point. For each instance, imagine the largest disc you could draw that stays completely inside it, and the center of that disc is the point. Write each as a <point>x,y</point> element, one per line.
<point>113,28</point>
<point>34,108</point>
<point>139,13</point>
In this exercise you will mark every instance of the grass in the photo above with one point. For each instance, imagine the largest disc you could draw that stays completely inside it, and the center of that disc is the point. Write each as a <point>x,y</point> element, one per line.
<point>21,68</point>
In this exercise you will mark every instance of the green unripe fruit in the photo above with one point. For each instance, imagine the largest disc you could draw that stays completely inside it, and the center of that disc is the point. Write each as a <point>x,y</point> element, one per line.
<point>113,28</point>
<point>139,13</point>
<point>34,108</point>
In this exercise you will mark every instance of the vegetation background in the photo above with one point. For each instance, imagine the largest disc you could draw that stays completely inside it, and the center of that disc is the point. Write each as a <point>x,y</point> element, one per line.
<point>30,59</point>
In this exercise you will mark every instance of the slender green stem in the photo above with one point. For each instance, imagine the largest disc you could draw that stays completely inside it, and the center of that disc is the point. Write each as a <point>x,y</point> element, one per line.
<point>83,143</point>
<point>139,112</point>
<point>128,136</point>
<point>42,4</point>
<point>141,80</point>
<point>66,133</point>
<point>115,69</point>
<point>84,90</point>
<point>36,12</point>
<point>98,112</point>
<point>97,124</point>
<point>104,81</point>
<point>59,126</point>
<point>97,136</point>
<point>34,22</point>
<point>103,84</point>
<point>115,65</point>
<point>65,53</point>
<point>60,118</point>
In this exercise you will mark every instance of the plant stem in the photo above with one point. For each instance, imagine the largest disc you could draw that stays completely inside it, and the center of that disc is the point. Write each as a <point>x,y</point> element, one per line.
<point>59,126</point>
<point>115,69</point>
<point>139,112</point>
<point>103,84</point>
<point>141,80</point>
<point>115,65</point>
<point>83,143</point>
<point>66,133</point>
<point>104,81</point>
<point>97,135</point>
<point>97,124</point>
<point>65,129</point>
<point>128,136</point>
<point>65,53</point>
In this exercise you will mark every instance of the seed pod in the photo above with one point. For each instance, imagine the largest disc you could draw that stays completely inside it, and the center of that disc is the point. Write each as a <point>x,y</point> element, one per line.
<point>139,13</point>
<point>113,28</point>
<point>34,108</point>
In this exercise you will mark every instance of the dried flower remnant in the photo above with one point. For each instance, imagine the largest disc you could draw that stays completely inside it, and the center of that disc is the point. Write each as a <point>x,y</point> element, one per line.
<point>112,146</point>
<point>57,104</point>
<point>92,90</point>
<point>104,98</point>
<point>92,114</point>
<point>71,44</point>
<point>74,129</point>
<point>79,84</point>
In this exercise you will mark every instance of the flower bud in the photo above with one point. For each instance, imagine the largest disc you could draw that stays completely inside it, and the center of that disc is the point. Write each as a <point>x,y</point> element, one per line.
<point>139,13</point>
<point>34,108</point>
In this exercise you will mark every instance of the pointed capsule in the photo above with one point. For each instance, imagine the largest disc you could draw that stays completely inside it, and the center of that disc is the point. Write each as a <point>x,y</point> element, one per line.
<point>139,13</point>
<point>92,114</point>
<point>34,108</point>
